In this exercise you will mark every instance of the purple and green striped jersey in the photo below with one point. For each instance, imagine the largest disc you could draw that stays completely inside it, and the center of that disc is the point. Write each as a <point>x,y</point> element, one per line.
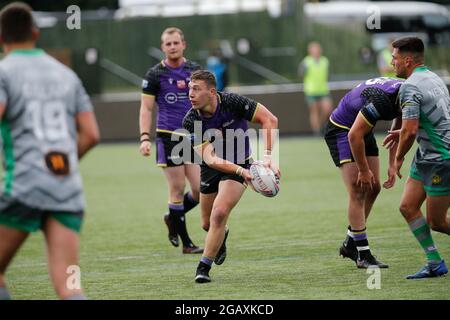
<point>170,88</point>
<point>376,99</point>
<point>226,129</point>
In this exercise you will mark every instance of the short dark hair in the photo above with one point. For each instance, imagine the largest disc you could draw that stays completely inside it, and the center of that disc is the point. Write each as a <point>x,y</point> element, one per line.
<point>16,23</point>
<point>204,75</point>
<point>412,45</point>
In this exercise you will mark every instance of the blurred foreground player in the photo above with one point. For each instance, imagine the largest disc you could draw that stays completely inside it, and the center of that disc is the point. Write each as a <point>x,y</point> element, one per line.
<point>47,125</point>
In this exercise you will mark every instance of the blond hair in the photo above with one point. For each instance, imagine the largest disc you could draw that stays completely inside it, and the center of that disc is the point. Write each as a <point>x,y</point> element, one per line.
<point>172,30</point>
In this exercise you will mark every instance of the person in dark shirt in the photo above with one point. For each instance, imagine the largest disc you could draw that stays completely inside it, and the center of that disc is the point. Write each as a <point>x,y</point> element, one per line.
<point>217,124</point>
<point>166,84</point>
<point>350,139</point>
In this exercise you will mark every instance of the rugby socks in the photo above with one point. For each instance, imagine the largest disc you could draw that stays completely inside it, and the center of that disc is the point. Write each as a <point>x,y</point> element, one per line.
<point>362,244</point>
<point>421,231</point>
<point>189,202</point>
<point>206,260</point>
<point>349,242</point>
<point>4,294</point>
<point>203,268</point>
<point>176,215</point>
<point>204,265</point>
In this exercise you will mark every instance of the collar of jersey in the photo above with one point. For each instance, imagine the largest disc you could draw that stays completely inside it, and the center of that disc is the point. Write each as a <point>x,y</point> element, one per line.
<point>163,62</point>
<point>219,101</point>
<point>421,68</point>
<point>31,52</point>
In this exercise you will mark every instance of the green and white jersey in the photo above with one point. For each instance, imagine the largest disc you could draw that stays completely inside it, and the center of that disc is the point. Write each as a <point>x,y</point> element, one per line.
<point>425,97</point>
<point>39,135</point>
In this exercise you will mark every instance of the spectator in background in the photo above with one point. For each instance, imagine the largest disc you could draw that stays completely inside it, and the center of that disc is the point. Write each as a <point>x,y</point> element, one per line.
<point>216,64</point>
<point>314,69</point>
<point>384,61</point>
<point>366,55</point>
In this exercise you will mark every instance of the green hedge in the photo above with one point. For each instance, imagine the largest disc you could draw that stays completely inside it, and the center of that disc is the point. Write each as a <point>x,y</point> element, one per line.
<point>126,43</point>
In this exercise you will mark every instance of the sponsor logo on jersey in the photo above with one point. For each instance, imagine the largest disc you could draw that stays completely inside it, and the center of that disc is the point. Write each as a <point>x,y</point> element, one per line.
<point>226,124</point>
<point>181,84</point>
<point>171,98</point>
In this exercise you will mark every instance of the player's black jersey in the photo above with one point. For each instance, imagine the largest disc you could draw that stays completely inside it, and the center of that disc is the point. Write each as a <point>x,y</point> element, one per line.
<point>229,122</point>
<point>379,105</point>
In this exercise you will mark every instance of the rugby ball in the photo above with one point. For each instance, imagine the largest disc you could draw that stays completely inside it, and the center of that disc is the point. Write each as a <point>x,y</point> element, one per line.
<point>264,180</point>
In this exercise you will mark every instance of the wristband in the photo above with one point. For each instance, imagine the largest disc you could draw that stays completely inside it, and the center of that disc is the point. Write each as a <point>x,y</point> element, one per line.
<point>145,133</point>
<point>239,171</point>
<point>145,140</point>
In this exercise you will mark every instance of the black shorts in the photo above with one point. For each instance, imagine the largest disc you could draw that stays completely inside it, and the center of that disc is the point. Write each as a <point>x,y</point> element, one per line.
<point>210,178</point>
<point>337,141</point>
<point>170,153</point>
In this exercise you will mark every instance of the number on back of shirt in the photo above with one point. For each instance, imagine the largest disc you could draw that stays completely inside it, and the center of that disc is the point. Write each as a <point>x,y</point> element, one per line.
<point>445,108</point>
<point>48,120</point>
<point>379,80</point>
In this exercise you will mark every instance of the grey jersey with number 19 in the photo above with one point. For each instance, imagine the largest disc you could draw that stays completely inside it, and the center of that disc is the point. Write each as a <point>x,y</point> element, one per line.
<point>40,160</point>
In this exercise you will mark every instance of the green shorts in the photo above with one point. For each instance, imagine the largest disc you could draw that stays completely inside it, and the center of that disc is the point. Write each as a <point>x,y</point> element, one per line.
<point>19,216</point>
<point>311,99</point>
<point>435,176</point>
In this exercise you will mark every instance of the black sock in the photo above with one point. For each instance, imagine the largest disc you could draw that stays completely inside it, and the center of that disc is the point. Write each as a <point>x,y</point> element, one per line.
<point>349,242</point>
<point>362,244</point>
<point>189,202</point>
<point>176,215</point>
<point>205,266</point>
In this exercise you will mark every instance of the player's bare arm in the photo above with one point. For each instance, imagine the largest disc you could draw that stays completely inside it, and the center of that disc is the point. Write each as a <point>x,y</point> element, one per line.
<point>88,133</point>
<point>206,152</point>
<point>268,123</point>
<point>358,131</point>
<point>391,140</point>
<point>2,110</point>
<point>391,143</point>
<point>408,134</point>
<point>145,123</point>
